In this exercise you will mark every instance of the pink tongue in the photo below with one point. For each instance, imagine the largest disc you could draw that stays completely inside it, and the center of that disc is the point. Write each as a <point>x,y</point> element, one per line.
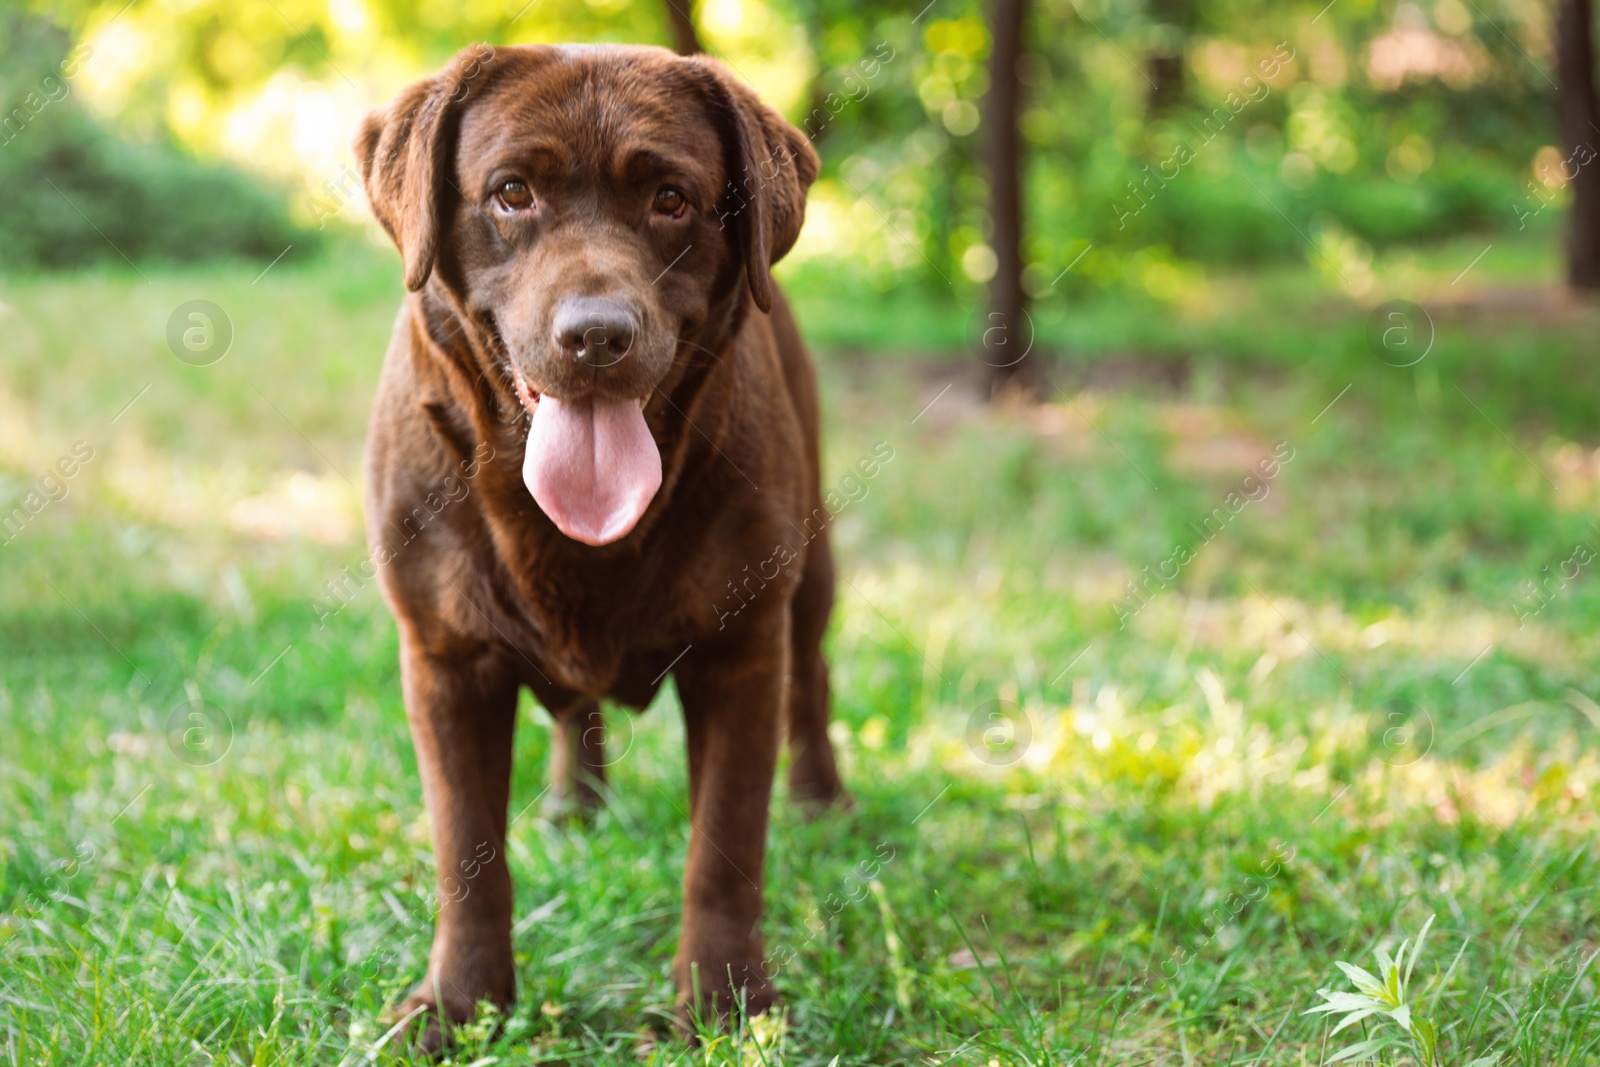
<point>592,466</point>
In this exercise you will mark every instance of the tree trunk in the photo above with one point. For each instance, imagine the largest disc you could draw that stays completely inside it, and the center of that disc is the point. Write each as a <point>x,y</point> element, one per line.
<point>684,40</point>
<point>1579,116</point>
<point>817,118</point>
<point>1008,332</point>
<point>1164,62</point>
<point>1166,82</point>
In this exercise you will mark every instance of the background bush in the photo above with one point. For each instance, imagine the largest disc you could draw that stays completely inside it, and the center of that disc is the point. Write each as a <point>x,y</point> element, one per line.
<point>76,194</point>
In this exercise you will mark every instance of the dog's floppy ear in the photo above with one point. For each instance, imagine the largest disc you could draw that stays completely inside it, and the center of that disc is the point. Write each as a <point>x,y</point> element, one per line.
<point>771,165</point>
<point>404,150</point>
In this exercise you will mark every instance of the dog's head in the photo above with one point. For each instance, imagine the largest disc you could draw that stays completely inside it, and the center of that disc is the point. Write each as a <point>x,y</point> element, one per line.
<point>591,206</point>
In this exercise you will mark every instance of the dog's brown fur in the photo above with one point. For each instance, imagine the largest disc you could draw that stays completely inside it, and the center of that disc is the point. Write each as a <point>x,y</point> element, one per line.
<point>488,594</point>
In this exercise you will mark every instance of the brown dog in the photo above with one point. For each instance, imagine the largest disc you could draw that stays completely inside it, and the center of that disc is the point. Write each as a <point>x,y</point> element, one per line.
<point>595,352</point>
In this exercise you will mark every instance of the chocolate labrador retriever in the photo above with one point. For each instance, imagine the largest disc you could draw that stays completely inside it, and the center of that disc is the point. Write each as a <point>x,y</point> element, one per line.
<point>594,350</point>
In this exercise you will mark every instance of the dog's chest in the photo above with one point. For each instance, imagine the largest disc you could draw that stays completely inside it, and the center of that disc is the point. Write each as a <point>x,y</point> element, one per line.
<point>589,624</point>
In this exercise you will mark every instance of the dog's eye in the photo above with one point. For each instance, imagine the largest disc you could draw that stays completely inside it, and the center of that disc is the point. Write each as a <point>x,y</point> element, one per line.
<point>514,195</point>
<point>670,201</point>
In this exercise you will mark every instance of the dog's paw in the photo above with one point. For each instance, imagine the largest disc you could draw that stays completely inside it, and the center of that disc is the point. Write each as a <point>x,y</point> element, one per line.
<point>573,807</point>
<point>433,1009</point>
<point>818,797</point>
<point>709,1006</point>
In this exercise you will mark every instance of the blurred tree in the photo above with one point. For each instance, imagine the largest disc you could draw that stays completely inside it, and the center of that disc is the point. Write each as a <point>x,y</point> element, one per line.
<point>815,20</point>
<point>679,17</point>
<point>1009,331</point>
<point>1164,61</point>
<point>1579,115</point>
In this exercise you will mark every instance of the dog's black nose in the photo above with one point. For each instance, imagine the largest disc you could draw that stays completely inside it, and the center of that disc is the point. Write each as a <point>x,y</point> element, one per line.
<point>597,330</point>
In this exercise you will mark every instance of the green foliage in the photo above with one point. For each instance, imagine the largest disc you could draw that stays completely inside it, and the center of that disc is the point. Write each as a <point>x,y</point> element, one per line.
<point>1295,129</point>
<point>1316,144</point>
<point>76,194</point>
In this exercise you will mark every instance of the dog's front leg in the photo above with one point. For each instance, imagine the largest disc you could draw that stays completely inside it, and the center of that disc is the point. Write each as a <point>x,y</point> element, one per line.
<point>462,711</point>
<point>733,702</point>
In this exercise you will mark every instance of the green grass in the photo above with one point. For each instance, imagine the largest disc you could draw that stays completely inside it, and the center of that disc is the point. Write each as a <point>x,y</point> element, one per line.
<point>1327,728</point>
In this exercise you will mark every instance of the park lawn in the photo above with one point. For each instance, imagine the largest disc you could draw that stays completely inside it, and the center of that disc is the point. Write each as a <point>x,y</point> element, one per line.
<point>1082,833</point>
